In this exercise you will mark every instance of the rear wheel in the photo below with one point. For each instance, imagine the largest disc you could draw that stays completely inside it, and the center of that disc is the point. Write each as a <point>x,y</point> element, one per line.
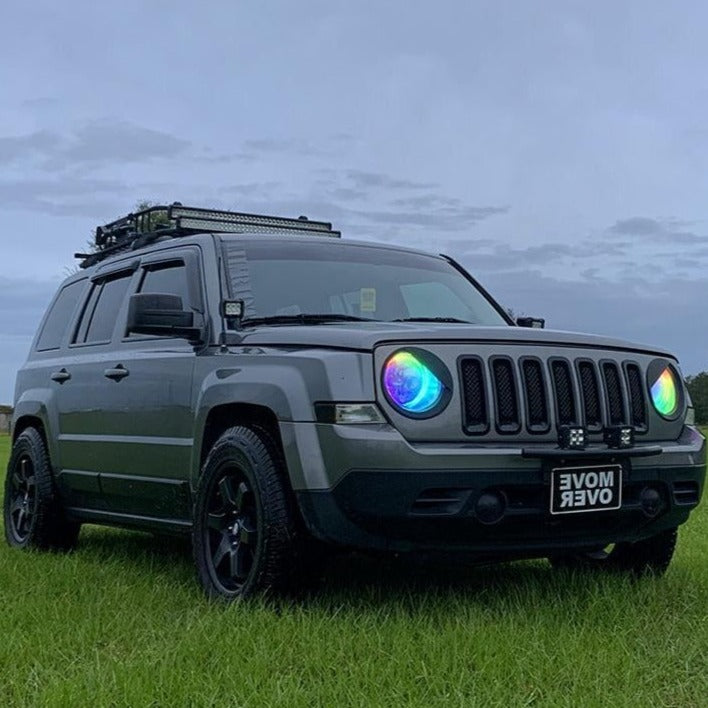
<point>244,533</point>
<point>651,556</point>
<point>33,514</point>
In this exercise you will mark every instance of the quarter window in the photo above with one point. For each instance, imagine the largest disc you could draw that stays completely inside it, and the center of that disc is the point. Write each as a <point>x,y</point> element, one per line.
<point>60,316</point>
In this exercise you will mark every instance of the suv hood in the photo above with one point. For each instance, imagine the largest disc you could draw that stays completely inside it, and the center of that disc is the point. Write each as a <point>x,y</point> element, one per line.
<point>365,336</point>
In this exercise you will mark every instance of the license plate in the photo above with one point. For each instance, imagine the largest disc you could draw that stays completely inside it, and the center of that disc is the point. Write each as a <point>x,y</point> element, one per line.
<point>578,489</point>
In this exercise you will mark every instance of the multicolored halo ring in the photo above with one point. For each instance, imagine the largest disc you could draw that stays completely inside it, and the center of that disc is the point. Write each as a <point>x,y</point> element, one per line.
<point>664,394</point>
<point>410,385</point>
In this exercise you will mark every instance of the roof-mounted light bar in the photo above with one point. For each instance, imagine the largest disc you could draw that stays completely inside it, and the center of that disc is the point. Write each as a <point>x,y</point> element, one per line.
<point>190,215</point>
<point>143,227</point>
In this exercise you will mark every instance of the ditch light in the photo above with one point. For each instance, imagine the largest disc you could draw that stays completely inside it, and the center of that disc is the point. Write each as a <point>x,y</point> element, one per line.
<point>572,437</point>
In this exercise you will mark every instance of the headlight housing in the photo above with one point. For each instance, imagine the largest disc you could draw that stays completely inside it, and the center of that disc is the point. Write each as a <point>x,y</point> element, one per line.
<point>416,383</point>
<point>666,389</point>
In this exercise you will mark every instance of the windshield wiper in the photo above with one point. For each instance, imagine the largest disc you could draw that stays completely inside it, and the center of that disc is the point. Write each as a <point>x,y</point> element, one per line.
<point>303,319</point>
<point>432,319</point>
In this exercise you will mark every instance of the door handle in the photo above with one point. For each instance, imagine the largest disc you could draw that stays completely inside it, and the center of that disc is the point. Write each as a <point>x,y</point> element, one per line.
<point>120,372</point>
<point>61,376</point>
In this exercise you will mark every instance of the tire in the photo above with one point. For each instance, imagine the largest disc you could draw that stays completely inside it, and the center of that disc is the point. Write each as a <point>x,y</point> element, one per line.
<point>34,518</point>
<point>650,557</point>
<point>244,534</point>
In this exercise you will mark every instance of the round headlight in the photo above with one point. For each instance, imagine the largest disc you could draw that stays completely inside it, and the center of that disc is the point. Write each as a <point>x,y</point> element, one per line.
<point>665,389</point>
<point>416,382</point>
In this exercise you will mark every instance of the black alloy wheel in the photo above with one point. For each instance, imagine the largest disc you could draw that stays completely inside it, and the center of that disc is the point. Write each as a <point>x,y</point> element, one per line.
<point>23,498</point>
<point>232,529</point>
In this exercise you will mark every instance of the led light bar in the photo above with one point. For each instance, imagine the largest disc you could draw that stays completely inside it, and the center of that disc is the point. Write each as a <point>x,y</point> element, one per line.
<point>215,220</point>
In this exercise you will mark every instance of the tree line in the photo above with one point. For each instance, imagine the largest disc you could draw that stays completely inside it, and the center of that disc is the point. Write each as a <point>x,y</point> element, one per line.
<point>698,388</point>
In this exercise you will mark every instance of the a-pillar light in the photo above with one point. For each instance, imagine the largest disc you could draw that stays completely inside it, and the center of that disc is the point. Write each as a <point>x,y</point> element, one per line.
<point>572,437</point>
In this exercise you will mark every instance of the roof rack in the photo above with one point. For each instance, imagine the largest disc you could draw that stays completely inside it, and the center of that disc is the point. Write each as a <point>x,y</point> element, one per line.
<point>143,227</point>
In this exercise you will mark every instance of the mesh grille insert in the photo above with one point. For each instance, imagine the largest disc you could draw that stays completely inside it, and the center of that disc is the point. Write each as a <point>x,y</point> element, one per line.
<point>565,401</point>
<point>591,395</point>
<point>535,391</point>
<point>475,398</point>
<point>613,386</point>
<point>637,405</point>
<point>506,399</point>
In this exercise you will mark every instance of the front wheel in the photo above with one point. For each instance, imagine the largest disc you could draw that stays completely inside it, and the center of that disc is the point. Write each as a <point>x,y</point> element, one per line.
<point>650,556</point>
<point>244,524</point>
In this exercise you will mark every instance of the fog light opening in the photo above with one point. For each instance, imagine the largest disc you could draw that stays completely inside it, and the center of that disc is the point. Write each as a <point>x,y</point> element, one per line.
<point>490,507</point>
<point>651,501</point>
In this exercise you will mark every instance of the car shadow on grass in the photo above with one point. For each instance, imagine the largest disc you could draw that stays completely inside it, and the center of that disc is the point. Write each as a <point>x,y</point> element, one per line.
<point>358,581</point>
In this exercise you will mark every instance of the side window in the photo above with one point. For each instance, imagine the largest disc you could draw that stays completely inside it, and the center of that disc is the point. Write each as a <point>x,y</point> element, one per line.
<point>170,279</point>
<point>101,312</point>
<point>59,318</point>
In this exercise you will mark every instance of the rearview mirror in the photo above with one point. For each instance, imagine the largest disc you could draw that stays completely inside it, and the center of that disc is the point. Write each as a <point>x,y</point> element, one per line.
<point>160,315</point>
<point>533,322</point>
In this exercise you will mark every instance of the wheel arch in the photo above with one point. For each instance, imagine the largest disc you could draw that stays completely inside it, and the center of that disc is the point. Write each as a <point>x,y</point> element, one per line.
<point>227,415</point>
<point>30,414</point>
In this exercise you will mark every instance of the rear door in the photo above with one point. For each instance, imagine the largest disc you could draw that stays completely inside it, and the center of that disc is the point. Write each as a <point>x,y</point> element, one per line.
<point>85,425</point>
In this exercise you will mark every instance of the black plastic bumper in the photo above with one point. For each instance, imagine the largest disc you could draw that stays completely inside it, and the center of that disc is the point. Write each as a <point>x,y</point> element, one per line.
<point>399,510</point>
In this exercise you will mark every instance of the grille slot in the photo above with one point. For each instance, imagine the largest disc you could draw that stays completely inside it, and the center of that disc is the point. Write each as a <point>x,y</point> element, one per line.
<point>440,501</point>
<point>590,389</point>
<point>686,492</point>
<point>475,396</point>
<point>615,398</point>
<point>563,387</point>
<point>506,399</point>
<point>637,402</point>
<point>535,396</point>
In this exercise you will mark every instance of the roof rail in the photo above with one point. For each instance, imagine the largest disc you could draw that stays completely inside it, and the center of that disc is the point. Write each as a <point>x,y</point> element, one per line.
<point>143,227</point>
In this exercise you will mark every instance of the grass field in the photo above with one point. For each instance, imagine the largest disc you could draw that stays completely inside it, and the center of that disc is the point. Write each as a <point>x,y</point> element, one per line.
<point>121,622</point>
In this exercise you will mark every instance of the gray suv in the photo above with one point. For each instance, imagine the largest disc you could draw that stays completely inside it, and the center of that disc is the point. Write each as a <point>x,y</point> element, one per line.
<point>270,389</point>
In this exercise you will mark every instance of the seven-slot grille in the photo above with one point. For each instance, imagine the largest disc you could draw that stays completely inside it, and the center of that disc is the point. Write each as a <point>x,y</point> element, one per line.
<point>535,395</point>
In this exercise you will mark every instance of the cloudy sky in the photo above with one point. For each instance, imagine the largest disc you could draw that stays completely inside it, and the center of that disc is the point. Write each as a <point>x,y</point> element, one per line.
<point>559,149</point>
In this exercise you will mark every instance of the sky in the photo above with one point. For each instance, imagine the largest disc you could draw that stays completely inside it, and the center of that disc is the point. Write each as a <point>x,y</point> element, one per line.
<point>559,150</point>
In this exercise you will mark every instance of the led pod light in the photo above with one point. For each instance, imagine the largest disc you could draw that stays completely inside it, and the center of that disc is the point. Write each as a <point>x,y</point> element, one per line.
<point>665,389</point>
<point>416,383</point>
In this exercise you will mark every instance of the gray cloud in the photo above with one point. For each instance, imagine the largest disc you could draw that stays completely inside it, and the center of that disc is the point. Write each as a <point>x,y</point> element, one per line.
<point>111,141</point>
<point>66,196</point>
<point>657,230</point>
<point>448,219</point>
<point>381,181</point>
<point>657,311</point>
<point>41,142</point>
<point>97,143</point>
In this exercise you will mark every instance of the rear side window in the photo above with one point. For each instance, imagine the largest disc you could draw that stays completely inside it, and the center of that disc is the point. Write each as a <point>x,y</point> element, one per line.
<point>60,317</point>
<point>101,312</point>
<point>167,280</point>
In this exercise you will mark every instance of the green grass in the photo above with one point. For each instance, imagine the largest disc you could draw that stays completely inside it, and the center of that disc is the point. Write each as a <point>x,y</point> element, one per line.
<point>121,622</point>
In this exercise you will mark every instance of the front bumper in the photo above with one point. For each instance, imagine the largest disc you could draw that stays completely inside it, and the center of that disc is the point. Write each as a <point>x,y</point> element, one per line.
<point>367,487</point>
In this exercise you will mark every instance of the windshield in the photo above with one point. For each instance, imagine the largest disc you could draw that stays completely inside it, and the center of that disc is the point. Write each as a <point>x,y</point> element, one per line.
<point>350,282</point>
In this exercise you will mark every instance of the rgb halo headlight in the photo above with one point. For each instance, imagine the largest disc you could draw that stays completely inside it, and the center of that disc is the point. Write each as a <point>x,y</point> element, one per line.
<point>665,388</point>
<point>416,382</point>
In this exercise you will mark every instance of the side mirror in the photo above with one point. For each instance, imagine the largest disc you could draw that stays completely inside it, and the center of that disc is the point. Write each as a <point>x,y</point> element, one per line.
<point>532,322</point>
<point>160,315</point>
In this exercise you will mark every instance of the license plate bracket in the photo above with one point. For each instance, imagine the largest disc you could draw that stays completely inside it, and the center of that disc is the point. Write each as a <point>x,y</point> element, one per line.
<point>576,490</point>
